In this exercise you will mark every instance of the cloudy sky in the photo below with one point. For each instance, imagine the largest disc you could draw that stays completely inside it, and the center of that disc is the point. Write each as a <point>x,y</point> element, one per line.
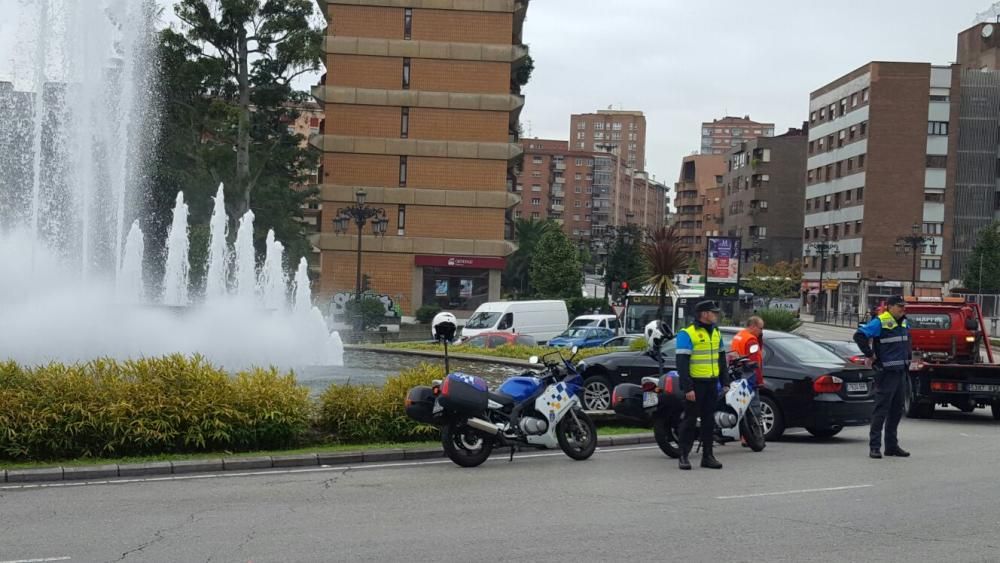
<point>683,61</point>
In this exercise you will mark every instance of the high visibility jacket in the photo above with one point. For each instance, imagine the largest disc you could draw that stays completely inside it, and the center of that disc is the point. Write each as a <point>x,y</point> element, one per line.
<point>703,348</point>
<point>741,346</point>
<point>892,340</point>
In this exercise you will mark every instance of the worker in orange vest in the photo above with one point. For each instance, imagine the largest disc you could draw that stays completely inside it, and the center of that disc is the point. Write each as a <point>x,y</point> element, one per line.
<point>752,334</point>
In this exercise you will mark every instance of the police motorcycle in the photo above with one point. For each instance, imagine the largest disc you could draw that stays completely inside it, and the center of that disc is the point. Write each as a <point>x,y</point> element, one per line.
<point>660,400</point>
<point>539,409</point>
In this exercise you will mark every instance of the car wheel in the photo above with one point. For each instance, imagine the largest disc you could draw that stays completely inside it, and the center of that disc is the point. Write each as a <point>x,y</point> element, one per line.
<point>911,405</point>
<point>995,408</point>
<point>772,419</point>
<point>825,432</point>
<point>596,393</point>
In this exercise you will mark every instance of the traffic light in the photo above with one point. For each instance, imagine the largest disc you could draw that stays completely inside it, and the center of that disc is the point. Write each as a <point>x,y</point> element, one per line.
<point>624,286</point>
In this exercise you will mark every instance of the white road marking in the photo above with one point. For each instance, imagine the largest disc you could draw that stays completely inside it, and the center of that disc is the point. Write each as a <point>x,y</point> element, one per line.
<point>795,492</point>
<point>42,560</point>
<point>324,468</point>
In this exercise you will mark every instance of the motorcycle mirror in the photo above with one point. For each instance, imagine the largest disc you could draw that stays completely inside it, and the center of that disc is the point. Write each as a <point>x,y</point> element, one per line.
<point>574,350</point>
<point>533,360</point>
<point>754,348</point>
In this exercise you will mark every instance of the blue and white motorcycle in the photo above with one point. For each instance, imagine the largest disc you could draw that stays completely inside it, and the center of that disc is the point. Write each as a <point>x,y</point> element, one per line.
<point>538,409</point>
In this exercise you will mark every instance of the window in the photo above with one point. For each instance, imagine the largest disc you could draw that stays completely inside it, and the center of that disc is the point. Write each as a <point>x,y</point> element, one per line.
<point>840,138</point>
<point>809,176</point>
<point>456,288</point>
<point>576,217</point>
<point>401,220</point>
<point>536,173</point>
<point>812,117</point>
<point>616,126</point>
<point>864,128</point>
<point>839,167</point>
<point>861,194</point>
<point>852,132</point>
<point>536,187</point>
<point>854,100</point>
<point>402,171</point>
<point>820,145</point>
<point>934,197</point>
<point>518,188</point>
<point>737,131</point>
<point>937,161</point>
<point>836,232</point>
<point>857,227</point>
<point>843,107</point>
<point>940,98</point>
<point>847,196</point>
<point>933,228</point>
<point>404,127</point>
<point>599,126</point>
<point>535,215</point>
<point>847,230</point>
<point>864,95</point>
<point>586,218</point>
<point>588,190</point>
<point>806,235</point>
<point>598,136</point>
<point>850,164</point>
<point>857,260</point>
<point>846,262</point>
<point>517,214</point>
<point>937,127</point>
<point>581,145</point>
<point>406,74</point>
<point>808,205</point>
<point>407,23</point>
<point>812,147</point>
<point>576,203</point>
<point>861,161</point>
<point>536,201</point>
<point>930,264</point>
<point>822,114</point>
<point>537,159</point>
<point>581,135</point>
<point>577,189</point>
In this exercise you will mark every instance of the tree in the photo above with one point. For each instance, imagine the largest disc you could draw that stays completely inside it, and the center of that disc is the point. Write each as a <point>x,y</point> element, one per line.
<point>626,263</point>
<point>982,270</point>
<point>251,51</point>
<point>781,281</point>
<point>665,256</point>
<point>555,268</point>
<point>527,233</point>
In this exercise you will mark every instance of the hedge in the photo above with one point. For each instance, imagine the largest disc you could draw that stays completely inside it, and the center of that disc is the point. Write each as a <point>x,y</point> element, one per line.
<point>517,352</point>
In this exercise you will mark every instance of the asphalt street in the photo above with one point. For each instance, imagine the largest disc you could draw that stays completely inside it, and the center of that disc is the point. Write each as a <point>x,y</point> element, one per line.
<point>798,500</point>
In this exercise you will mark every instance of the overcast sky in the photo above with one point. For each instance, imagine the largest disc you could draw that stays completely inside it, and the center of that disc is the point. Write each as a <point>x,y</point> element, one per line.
<point>683,62</point>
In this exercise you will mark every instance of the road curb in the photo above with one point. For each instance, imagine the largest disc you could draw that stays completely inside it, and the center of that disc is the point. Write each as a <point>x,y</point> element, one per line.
<point>236,464</point>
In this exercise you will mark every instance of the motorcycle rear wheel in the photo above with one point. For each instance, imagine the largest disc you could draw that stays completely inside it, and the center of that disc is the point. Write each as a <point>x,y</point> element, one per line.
<point>667,437</point>
<point>464,445</point>
<point>753,432</point>
<point>577,435</point>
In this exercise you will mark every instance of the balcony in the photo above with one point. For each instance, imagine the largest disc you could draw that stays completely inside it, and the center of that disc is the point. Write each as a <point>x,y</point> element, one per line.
<point>559,180</point>
<point>557,208</point>
<point>558,165</point>
<point>557,192</point>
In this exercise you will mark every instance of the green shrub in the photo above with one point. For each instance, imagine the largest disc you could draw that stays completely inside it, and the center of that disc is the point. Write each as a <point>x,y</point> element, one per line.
<point>149,406</point>
<point>365,413</point>
<point>426,313</point>
<point>638,345</point>
<point>371,309</point>
<point>506,351</point>
<point>779,319</point>
<point>586,305</point>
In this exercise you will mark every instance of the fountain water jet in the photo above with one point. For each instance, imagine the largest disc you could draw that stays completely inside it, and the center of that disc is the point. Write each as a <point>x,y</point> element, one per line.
<point>218,250</point>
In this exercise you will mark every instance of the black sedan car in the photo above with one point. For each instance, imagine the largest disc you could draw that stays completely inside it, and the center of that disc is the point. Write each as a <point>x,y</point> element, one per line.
<point>805,385</point>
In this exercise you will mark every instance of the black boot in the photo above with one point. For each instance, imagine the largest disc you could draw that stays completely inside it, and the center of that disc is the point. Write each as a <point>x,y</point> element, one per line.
<point>897,452</point>
<point>684,463</point>
<point>708,460</point>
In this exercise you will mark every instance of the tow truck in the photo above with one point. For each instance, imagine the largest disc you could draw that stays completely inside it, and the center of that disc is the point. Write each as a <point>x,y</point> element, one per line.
<point>948,367</point>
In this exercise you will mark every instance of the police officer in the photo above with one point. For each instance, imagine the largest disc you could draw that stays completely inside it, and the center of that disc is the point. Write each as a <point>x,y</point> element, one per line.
<point>891,358</point>
<point>701,363</point>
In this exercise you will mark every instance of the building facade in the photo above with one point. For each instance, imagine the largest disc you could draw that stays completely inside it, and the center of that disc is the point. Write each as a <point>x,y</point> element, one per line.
<point>763,190</point>
<point>877,165</point>
<point>622,133</point>
<point>585,190</point>
<point>422,101</point>
<point>698,194</point>
<point>722,135</point>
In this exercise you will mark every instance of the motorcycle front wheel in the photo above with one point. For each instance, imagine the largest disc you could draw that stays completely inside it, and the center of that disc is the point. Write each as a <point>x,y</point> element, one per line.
<point>667,436</point>
<point>752,431</point>
<point>464,445</point>
<point>577,435</point>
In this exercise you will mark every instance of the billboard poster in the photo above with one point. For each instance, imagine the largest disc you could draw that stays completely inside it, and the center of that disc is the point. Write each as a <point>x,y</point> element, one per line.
<point>723,264</point>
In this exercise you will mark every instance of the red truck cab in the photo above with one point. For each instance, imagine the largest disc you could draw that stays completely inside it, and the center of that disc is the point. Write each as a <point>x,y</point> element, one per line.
<point>944,332</point>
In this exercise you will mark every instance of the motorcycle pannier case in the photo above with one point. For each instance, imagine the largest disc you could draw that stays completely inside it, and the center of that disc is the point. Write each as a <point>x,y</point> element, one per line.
<point>464,394</point>
<point>627,401</point>
<point>420,404</point>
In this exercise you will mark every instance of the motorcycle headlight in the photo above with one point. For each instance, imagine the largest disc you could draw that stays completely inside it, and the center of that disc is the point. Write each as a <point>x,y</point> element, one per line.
<point>582,365</point>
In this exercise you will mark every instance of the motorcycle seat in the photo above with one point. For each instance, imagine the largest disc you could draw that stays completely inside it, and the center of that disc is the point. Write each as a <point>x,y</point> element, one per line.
<point>505,400</point>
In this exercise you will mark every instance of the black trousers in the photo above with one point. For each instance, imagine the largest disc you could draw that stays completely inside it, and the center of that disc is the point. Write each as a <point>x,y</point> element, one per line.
<point>889,389</point>
<point>706,395</point>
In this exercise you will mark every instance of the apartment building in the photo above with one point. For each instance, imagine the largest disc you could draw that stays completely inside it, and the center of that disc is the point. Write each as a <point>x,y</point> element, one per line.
<point>622,133</point>
<point>722,135</point>
<point>698,194</point>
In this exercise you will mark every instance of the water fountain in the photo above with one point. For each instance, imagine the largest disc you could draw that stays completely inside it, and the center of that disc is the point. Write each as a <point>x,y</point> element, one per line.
<point>74,125</point>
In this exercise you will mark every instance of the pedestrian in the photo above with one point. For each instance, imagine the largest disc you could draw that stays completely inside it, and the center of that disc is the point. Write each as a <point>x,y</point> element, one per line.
<point>740,347</point>
<point>885,342</point>
<point>701,364</point>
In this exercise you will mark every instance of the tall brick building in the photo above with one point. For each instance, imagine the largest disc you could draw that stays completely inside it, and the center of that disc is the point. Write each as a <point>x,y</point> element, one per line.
<point>878,164</point>
<point>763,190</point>
<point>622,133</point>
<point>722,135</point>
<point>585,189</point>
<point>699,202</point>
<point>422,99</point>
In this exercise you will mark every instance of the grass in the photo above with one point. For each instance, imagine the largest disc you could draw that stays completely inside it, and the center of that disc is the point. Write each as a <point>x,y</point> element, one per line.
<point>319,449</point>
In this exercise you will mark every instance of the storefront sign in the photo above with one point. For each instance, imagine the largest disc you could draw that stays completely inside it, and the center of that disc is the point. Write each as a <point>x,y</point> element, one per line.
<point>482,263</point>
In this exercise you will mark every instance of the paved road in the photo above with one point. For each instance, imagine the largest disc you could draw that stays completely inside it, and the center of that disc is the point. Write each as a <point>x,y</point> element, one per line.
<point>825,332</point>
<point>799,500</point>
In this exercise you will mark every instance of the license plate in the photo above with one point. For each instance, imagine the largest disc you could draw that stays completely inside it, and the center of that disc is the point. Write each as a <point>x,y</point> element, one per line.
<point>861,387</point>
<point>649,400</point>
<point>978,388</point>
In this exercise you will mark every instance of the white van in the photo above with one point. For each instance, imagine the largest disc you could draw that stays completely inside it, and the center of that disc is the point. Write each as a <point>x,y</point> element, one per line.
<point>542,320</point>
<point>598,321</point>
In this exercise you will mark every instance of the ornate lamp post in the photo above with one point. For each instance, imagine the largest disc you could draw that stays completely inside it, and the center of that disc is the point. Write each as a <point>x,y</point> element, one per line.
<point>360,214</point>
<point>822,249</point>
<point>915,243</point>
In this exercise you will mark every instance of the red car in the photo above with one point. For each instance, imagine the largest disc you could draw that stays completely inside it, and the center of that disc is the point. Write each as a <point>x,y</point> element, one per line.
<point>497,339</point>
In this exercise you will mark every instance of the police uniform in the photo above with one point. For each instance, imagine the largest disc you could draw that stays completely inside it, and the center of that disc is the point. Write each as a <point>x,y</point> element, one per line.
<point>891,351</point>
<point>701,363</point>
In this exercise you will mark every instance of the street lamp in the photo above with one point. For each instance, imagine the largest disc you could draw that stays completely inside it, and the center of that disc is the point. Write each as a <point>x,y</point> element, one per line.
<point>607,236</point>
<point>360,214</point>
<point>822,249</point>
<point>910,244</point>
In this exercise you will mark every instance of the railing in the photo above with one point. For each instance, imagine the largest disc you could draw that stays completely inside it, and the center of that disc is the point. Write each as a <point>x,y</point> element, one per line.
<point>848,320</point>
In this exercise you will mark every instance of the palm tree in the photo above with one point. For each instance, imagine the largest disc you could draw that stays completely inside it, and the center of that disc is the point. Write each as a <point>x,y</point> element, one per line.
<point>665,257</point>
<point>527,233</point>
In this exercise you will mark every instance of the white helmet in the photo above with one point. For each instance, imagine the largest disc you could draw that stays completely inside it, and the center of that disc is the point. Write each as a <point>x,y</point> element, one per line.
<point>655,333</point>
<point>443,327</point>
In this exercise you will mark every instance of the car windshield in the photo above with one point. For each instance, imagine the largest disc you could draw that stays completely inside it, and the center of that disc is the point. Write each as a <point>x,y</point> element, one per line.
<point>584,322</point>
<point>846,348</point>
<point>483,319</point>
<point>929,321</point>
<point>803,351</point>
<point>575,333</point>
